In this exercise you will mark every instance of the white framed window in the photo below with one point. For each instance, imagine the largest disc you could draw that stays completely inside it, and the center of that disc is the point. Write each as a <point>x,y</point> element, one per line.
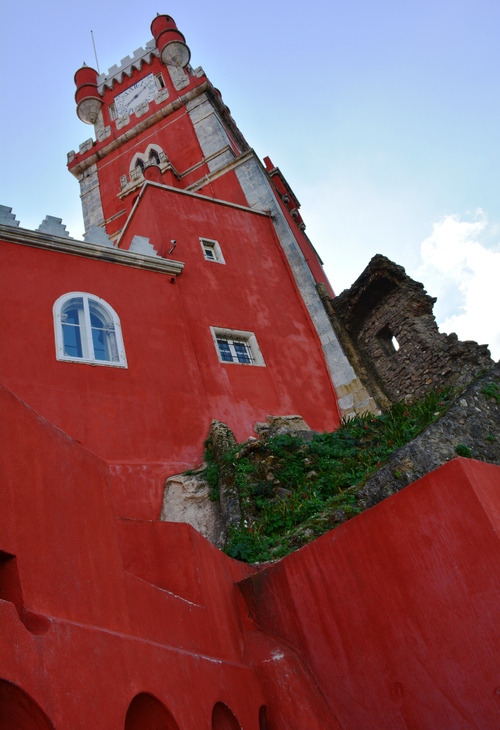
<point>112,112</point>
<point>160,82</point>
<point>88,330</point>
<point>237,346</point>
<point>212,250</point>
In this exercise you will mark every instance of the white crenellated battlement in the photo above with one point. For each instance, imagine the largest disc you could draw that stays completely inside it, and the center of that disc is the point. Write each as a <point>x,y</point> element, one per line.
<point>116,73</point>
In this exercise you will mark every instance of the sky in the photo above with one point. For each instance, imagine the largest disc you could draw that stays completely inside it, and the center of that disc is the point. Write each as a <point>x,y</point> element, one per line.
<point>383,116</point>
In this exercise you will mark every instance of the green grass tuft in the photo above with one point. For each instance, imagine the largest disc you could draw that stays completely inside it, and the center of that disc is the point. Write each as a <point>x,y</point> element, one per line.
<point>492,390</point>
<point>463,450</point>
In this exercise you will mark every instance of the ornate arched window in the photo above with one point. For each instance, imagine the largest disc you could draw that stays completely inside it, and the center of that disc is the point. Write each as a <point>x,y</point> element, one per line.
<point>88,330</point>
<point>154,157</point>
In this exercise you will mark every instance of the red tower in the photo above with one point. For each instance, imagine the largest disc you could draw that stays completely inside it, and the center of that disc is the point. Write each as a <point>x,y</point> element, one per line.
<point>196,276</point>
<point>194,291</point>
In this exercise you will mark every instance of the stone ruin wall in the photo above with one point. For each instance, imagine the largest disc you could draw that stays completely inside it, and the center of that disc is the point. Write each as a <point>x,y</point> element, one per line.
<point>385,309</point>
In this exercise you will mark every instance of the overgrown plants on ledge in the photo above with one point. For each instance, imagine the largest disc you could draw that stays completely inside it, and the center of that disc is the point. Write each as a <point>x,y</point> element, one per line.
<point>294,488</point>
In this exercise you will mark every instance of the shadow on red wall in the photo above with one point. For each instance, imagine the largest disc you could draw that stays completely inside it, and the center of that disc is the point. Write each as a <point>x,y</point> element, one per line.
<point>18,710</point>
<point>146,711</point>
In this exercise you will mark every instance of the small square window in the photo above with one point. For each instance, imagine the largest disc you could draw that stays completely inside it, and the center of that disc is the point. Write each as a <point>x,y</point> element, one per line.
<point>236,346</point>
<point>211,250</point>
<point>160,82</point>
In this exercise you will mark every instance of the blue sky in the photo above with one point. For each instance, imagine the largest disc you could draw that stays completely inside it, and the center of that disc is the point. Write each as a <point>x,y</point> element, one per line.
<point>384,117</point>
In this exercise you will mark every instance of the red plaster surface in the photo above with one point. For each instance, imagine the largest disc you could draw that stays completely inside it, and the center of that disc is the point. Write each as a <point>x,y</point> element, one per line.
<point>390,621</point>
<point>397,613</point>
<point>109,635</point>
<point>150,420</point>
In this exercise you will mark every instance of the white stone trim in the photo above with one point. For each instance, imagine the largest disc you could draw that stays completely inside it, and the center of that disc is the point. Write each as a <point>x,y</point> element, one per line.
<point>119,359</point>
<point>259,195</point>
<point>25,237</point>
<point>127,65</point>
<point>216,249</point>
<point>247,337</point>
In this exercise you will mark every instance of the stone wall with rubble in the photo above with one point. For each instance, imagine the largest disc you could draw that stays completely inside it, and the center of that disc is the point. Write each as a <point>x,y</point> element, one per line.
<point>470,427</point>
<point>386,324</point>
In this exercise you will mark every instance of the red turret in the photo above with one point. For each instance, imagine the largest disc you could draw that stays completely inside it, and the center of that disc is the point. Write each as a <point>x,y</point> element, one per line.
<point>170,42</point>
<point>87,96</point>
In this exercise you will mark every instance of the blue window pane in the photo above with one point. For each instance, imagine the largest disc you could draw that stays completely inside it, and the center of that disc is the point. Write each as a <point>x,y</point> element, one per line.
<point>72,340</point>
<point>100,342</point>
<point>242,352</point>
<point>224,350</point>
<point>95,321</point>
<point>72,315</point>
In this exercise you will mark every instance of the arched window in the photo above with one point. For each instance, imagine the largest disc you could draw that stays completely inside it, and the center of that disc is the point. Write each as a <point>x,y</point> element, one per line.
<point>88,330</point>
<point>154,157</point>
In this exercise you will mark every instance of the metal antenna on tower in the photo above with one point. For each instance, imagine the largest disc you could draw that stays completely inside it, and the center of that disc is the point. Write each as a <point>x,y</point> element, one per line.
<point>95,52</point>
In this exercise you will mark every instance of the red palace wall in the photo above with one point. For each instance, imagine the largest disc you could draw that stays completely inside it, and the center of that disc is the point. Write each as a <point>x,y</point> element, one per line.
<point>150,420</point>
<point>397,613</point>
<point>390,621</point>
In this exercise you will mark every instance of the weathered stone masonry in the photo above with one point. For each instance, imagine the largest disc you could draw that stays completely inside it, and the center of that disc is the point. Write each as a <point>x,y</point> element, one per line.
<point>387,328</point>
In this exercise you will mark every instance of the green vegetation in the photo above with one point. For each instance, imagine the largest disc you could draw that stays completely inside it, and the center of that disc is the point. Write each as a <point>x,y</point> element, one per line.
<point>293,490</point>
<point>492,390</point>
<point>463,450</point>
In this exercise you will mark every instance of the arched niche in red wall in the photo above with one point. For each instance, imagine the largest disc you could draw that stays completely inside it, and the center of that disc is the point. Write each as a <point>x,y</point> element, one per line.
<point>223,718</point>
<point>18,710</point>
<point>263,721</point>
<point>146,711</point>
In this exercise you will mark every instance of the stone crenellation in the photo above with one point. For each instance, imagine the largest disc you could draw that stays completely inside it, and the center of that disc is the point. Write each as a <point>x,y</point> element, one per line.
<point>126,66</point>
<point>7,217</point>
<point>53,226</point>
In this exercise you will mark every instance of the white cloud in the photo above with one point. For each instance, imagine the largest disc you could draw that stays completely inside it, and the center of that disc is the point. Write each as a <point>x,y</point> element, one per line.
<point>465,275</point>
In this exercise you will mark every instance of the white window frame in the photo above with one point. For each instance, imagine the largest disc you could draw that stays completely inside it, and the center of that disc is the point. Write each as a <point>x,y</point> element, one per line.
<point>119,359</point>
<point>248,338</point>
<point>214,246</point>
